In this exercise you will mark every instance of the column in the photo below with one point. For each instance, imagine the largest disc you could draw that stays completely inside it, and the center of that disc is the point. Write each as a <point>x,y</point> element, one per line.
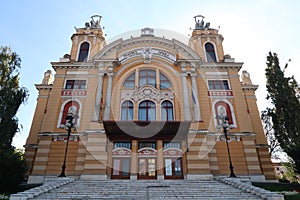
<point>108,95</point>
<point>134,160</point>
<point>160,160</point>
<point>195,97</point>
<point>186,106</point>
<point>98,97</point>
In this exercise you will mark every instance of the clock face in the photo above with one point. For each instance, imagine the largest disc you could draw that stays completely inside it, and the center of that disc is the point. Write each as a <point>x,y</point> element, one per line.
<point>47,74</point>
<point>247,75</point>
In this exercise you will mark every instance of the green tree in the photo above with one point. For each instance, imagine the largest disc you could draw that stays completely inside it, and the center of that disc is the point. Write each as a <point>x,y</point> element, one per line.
<point>11,95</point>
<point>285,113</point>
<point>12,165</point>
<point>12,171</point>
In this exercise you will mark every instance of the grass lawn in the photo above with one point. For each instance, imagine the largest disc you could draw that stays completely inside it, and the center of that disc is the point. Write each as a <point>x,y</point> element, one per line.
<point>290,190</point>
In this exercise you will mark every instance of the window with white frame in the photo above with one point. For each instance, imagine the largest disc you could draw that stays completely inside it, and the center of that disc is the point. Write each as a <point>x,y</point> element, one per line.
<point>83,52</point>
<point>167,111</point>
<point>218,85</point>
<point>147,111</point>
<point>129,82</point>
<point>127,111</point>
<point>210,52</point>
<point>75,84</point>
<point>147,77</point>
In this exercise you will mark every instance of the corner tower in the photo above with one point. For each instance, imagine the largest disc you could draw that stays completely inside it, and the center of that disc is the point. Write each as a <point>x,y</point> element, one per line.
<point>206,42</point>
<point>87,41</point>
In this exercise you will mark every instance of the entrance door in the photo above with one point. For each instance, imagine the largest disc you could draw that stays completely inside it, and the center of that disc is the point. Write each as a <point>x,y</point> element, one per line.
<point>121,168</point>
<point>173,168</point>
<point>147,168</point>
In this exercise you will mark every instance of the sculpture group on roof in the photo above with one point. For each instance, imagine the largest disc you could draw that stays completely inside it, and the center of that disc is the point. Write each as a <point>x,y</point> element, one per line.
<point>94,23</point>
<point>200,24</point>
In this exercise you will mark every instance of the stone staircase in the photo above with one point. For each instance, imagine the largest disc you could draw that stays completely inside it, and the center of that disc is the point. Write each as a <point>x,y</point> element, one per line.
<point>147,189</point>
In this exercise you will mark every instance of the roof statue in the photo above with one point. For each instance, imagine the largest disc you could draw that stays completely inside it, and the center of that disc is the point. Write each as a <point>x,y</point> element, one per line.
<point>200,24</point>
<point>94,23</point>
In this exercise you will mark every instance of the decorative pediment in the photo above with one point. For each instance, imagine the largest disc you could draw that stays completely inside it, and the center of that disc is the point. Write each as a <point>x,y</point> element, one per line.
<point>172,152</point>
<point>147,152</point>
<point>119,152</point>
<point>147,92</point>
<point>154,45</point>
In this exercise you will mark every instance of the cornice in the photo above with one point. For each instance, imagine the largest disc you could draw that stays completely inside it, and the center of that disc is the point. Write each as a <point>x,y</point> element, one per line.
<point>221,65</point>
<point>73,65</point>
<point>43,86</point>
<point>249,87</point>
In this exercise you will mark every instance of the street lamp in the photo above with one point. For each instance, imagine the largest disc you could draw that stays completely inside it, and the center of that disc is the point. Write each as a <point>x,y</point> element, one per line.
<point>68,126</point>
<point>226,127</point>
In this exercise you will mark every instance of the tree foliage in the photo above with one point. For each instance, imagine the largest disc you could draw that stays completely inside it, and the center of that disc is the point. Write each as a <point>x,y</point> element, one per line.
<point>285,113</point>
<point>12,165</point>
<point>12,171</point>
<point>274,145</point>
<point>11,95</point>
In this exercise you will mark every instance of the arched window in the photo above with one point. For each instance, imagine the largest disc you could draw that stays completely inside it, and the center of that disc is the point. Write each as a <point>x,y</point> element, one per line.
<point>70,107</point>
<point>164,81</point>
<point>147,111</point>
<point>210,53</point>
<point>147,77</point>
<point>127,111</point>
<point>129,82</point>
<point>223,109</point>
<point>167,111</point>
<point>83,52</point>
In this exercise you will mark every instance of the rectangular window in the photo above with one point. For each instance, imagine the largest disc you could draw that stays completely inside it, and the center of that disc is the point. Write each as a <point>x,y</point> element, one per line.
<point>218,85</point>
<point>147,145</point>
<point>75,84</point>
<point>126,145</point>
<point>175,145</point>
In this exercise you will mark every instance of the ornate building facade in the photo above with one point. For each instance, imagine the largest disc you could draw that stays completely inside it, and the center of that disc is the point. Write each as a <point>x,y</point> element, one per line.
<point>147,107</point>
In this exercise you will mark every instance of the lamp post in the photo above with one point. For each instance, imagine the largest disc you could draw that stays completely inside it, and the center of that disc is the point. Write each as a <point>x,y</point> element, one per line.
<point>225,125</point>
<point>68,126</point>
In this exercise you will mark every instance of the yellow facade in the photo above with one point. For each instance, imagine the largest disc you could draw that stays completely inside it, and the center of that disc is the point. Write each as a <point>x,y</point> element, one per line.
<point>147,106</point>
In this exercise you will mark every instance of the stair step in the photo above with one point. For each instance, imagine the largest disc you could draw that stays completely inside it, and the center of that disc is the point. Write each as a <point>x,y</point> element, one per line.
<point>140,189</point>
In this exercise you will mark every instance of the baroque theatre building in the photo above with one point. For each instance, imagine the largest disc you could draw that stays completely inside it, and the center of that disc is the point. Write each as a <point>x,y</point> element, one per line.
<point>147,105</point>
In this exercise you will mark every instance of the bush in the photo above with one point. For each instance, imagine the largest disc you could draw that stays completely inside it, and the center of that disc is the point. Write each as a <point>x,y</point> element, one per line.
<point>12,171</point>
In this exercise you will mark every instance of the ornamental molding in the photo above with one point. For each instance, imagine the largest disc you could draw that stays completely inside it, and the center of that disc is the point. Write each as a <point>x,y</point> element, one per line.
<point>249,87</point>
<point>147,152</point>
<point>217,134</point>
<point>43,86</point>
<point>73,65</point>
<point>52,134</point>
<point>172,152</point>
<point>221,65</point>
<point>147,53</point>
<point>154,42</point>
<point>121,152</point>
<point>147,92</point>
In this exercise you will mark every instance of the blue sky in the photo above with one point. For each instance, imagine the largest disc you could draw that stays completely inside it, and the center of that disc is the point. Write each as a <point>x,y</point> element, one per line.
<point>40,31</point>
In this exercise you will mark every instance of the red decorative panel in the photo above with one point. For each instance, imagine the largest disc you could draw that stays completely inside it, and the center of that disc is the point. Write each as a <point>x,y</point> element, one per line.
<point>171,152</point>
<point>73,92</point>
<point>121,152</point>
<point>220,93</point>
<point>147,152</point>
